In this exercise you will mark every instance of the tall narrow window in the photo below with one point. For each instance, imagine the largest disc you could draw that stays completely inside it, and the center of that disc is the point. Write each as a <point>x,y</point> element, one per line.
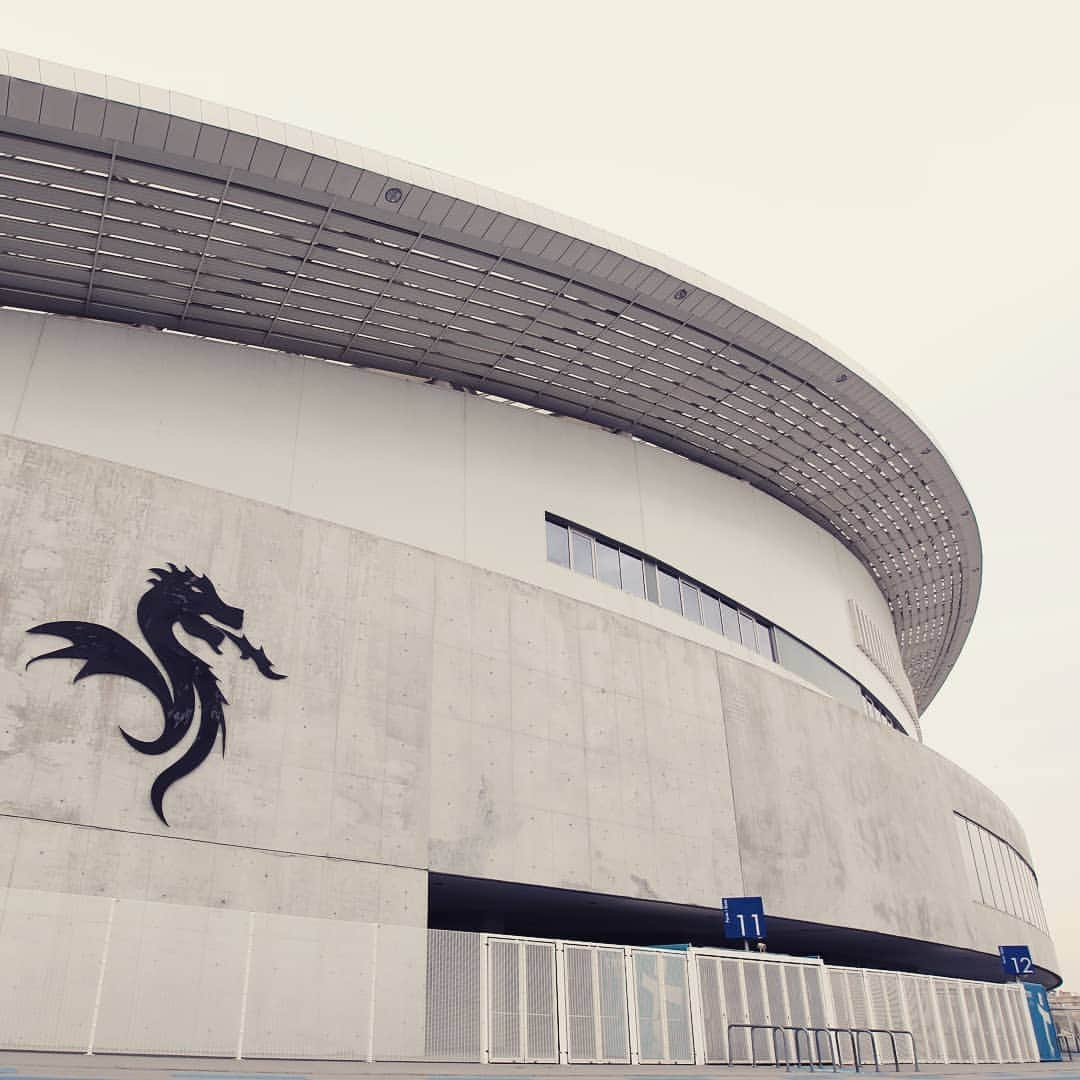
<point>691,605</point>
<point>747,631</point>
<point>558,544</point>
<point>607,564</point>
<point>652,590</point>
<point>581,553</point>
<point>633,576</point>
<point>710,610</point>
<point>669,590</point>
<point>764,640</point>
<point>589,554</point>
<point>730,618</point>
<point>977,859</point>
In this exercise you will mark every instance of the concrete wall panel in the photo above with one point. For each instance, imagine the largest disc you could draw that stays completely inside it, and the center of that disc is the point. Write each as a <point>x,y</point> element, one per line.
<point>439,716</point>
<point>309,991</point>
<point>174,980</point>
<point>51,947</point>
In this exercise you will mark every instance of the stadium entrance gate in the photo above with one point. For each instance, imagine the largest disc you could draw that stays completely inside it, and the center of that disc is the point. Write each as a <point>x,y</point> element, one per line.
<point>500,999</point>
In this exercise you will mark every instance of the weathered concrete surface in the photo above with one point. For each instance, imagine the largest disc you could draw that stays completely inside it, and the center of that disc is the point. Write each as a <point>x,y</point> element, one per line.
<point>436,716</point>
<point>849,823</point>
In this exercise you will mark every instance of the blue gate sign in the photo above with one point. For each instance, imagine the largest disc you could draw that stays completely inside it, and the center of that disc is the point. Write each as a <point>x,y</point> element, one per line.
<point>744,917</point>
<point>1042,1022</point>
<point>1016,960</point>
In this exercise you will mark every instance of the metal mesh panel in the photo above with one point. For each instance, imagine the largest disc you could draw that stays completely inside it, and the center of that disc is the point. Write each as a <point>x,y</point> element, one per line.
<point>596,1005</point>
<point>580,1004</point>
<point>860,1002</point>
<point>814,978</point>
<point>662,994</point>
<point>614,1029</point>
<point>897,1020</point>
<point>964,1025</point>
<point>735,1007</point>
<point>955,1004</point>
<point>838,985</point>
<point>774,987</point>
<point>909,988</point>
<point>504,997</point>
<point>521,996</point>
<point>452,1025</point>
<point>677,1009</point>
<point>1022,1022</point>
<point>647,997</point>
<point>798,1013</point>
<point>540,1028</point>
<point>877,1011</point>
<point>948,1021</point>
<point>757,1008</point>
<point>712,1007</point>
<point>986,1036</point>
<point>1008,1039</point>
<point>935,1038</point>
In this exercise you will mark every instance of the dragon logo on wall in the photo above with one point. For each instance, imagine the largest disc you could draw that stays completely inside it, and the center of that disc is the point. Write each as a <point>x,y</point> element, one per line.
<point>175,597</point>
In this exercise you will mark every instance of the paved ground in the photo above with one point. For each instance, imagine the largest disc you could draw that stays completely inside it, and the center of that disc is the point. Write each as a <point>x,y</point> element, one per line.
<point>34,1066</point>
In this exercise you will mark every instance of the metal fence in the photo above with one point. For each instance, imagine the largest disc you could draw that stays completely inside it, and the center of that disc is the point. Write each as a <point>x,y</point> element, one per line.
<point>95,975</point>
<point>574,1002</point>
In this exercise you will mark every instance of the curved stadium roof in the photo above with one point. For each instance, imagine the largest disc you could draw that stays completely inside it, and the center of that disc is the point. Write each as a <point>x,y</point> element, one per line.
<point>132,204</point>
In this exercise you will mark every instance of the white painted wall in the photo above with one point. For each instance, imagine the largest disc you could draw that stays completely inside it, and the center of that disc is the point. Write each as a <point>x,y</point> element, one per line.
<point>452,473</point>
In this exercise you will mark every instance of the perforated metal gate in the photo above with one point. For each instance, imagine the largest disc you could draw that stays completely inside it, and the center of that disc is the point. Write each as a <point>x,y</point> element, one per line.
<point>662,1007</point>
<point>597,1022</point>
<point>521,1001</point>
<point>736,990</point>
<point>954,1021</point>
<point>502,999</point>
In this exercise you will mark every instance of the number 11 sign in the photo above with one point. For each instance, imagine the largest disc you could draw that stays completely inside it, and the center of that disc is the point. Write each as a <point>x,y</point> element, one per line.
<point>1015,959</point>
<point>744,917</point>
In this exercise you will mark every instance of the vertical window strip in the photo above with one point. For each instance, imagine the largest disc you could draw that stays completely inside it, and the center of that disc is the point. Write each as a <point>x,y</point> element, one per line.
<point>1003,879</point>
<point>598,557</point>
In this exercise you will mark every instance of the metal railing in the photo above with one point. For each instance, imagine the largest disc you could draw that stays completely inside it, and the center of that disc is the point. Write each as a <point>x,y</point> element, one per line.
<point>779,1044</point>
<point>1065,1048</point>
<point>854,1032</point>
<point>813,1047</point>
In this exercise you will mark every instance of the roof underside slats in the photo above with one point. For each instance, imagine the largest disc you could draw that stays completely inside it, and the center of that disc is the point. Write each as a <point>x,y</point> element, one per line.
<point>98,227</point>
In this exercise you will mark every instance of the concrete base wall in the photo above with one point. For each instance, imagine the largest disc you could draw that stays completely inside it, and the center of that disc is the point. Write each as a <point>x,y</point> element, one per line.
<point>435,716</point>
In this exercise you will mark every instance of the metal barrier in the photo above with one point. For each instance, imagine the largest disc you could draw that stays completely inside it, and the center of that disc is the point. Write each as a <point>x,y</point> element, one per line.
<point>795,1038</point>
<point>1065,1048</point>
<point>854,1032</point>
<point>777,1031</point>
<point>833,1055</point>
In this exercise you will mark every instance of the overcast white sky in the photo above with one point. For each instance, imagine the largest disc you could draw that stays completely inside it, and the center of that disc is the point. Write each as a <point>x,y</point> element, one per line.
<point>903,179</point>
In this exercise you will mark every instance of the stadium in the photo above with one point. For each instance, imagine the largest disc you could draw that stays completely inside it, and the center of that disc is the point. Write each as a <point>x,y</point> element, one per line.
<point>419,607</point>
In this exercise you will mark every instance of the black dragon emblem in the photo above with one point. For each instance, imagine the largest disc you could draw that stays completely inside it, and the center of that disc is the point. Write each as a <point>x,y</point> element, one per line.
<point>174,597</point>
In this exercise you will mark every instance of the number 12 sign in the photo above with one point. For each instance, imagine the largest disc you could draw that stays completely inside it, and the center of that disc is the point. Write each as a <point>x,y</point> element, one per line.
<point>1015,959</point>
<point>744,917</point>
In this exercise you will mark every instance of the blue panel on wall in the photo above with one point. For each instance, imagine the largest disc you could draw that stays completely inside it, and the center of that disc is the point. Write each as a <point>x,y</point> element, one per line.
<point>1042,1022</point>
<point>1015,959</point>
<point>744,917</point>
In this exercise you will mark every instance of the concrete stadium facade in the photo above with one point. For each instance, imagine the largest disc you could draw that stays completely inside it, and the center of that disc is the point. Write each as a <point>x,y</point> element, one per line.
<point>480,729</point>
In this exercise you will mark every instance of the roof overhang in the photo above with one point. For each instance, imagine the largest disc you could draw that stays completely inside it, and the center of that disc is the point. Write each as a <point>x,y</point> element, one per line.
<point>131,204</point>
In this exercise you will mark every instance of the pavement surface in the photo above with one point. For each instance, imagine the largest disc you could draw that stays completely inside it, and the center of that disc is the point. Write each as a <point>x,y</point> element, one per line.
<point>49,1066</point>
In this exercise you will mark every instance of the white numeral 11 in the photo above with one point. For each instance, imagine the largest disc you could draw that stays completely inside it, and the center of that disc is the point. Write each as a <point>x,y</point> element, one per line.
<point>757,926</point>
